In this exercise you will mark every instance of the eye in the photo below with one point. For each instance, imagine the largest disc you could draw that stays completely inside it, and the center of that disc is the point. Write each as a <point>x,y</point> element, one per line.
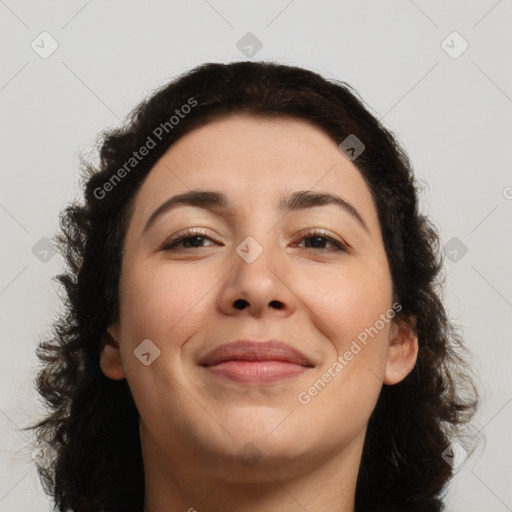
<point>319,238</point>
<point>190,236</point>
<point>193,238</point>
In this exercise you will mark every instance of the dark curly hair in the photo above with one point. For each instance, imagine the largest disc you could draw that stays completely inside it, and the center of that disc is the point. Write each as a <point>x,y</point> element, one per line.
<point>90,434</point>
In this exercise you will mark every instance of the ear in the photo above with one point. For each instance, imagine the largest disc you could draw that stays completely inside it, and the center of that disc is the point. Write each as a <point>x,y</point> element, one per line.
<point>403,351</point>
<point>110,358</point>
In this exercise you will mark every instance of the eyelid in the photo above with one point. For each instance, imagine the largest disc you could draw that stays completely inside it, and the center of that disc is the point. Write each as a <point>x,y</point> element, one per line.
<point>340,245</point>
<point>188,232</point>
<point>312,232</point>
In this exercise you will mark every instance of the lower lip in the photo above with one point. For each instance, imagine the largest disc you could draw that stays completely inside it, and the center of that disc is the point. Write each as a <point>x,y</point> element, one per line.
<point>257,372</point>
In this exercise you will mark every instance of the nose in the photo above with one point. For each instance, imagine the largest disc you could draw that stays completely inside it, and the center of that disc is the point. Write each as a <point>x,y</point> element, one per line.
<point>243,303</point>
<point>258,287</point>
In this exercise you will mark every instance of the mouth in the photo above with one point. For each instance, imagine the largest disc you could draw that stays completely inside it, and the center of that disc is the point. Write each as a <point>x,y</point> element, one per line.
<point>253,362</point>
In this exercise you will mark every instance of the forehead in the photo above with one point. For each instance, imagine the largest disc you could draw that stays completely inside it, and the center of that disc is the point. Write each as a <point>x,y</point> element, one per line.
<point>254,161</point>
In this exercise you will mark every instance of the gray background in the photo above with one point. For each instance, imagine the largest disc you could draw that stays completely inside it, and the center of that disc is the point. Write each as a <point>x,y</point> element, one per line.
<point>452,113</point>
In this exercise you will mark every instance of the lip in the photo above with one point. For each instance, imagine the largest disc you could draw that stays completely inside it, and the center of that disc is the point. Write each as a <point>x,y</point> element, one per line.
<point>256,362</point>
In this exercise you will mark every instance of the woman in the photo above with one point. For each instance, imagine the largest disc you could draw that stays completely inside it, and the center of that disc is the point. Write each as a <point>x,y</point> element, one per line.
<point>254,317</point>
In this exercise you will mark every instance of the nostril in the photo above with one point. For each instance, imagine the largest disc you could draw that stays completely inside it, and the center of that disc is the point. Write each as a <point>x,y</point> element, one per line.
<point>276,304</point>
<point>240,303</point>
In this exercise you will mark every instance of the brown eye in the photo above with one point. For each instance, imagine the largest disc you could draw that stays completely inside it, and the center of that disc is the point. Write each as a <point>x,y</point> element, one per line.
<point>193,239</point>
<point>189,240</point>
<point>318,239</point>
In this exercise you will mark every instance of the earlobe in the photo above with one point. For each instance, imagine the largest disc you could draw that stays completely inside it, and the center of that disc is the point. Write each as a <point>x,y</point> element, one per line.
<point>110,357</point>
<point>402,353</point>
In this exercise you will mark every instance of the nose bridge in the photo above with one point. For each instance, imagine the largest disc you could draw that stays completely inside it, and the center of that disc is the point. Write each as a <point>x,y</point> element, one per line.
<point>258,233</point>
<point>255,255</point>
<point>256,279</point>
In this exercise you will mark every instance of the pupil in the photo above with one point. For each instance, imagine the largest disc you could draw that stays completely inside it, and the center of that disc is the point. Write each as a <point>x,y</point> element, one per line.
<point>318,239</point>
<point>195,238</point>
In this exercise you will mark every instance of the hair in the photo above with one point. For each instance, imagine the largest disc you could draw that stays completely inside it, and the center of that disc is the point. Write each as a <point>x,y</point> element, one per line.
<point>92,423</point>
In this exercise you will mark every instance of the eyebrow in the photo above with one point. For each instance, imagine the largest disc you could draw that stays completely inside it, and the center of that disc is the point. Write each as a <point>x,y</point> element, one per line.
<point>213,200</point>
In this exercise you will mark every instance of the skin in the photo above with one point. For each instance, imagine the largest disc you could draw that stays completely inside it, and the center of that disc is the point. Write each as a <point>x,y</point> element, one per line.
<point>193,423</point>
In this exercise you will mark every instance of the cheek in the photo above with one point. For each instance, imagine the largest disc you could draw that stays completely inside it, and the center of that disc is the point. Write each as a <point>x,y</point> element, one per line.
<point>347,310</point>
<point>348,303</point>
<point>351,309</point>
<point>162,303</point>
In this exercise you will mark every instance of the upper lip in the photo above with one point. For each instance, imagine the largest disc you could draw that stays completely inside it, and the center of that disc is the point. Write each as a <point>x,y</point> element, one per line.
<point>246,350</point>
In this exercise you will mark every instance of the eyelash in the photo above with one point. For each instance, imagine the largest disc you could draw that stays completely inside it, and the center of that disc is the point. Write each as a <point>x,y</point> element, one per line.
<point>192,233</point>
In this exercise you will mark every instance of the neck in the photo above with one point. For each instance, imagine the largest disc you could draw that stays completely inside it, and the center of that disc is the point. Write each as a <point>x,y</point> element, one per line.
<point>316,484</point>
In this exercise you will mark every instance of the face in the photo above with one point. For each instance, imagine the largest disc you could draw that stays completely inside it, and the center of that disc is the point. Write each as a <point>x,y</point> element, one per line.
<point>313,276</point>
